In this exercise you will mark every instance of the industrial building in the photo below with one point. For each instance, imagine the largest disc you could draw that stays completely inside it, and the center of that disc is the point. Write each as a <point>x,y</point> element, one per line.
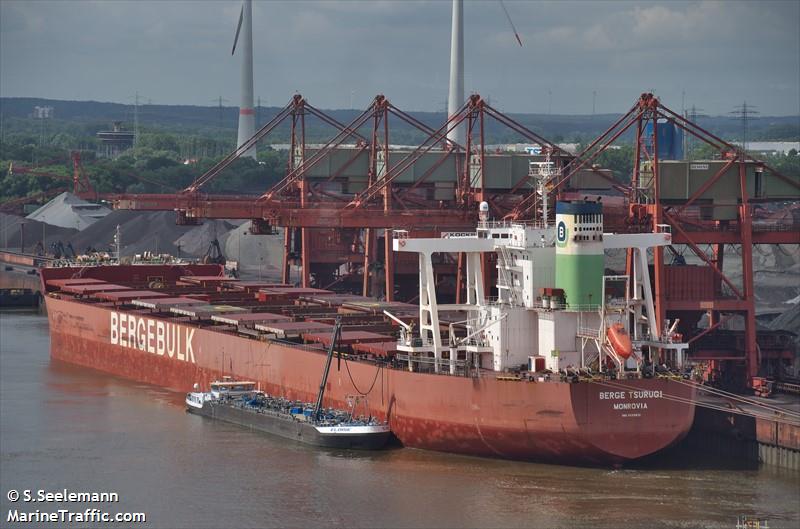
<point>114,142</point>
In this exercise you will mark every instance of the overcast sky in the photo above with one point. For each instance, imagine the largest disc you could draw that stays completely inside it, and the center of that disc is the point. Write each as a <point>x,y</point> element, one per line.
<point>719,53</point>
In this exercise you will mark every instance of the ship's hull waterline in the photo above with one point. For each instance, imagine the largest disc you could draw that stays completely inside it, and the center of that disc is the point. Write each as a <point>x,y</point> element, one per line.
<point>574,423</point>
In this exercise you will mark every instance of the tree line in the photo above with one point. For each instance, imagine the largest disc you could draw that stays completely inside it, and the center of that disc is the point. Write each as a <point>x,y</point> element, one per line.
<point>164,161</point>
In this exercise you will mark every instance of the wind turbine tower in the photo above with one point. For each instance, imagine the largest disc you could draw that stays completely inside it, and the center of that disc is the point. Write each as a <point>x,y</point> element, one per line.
<point>247,114</point>
<point>456,95</point>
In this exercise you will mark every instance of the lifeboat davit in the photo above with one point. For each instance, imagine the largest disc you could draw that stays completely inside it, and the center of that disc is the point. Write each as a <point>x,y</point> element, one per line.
<point>620,340</point>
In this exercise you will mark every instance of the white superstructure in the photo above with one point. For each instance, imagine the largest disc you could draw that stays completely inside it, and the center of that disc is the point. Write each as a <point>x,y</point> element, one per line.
<point>530,322</point>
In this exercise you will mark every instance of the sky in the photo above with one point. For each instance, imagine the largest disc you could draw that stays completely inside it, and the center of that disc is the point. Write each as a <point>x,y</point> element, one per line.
<point>713,55</point>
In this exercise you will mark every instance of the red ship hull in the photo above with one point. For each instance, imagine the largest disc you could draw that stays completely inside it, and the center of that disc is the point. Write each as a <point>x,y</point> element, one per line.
<point>575,423</point>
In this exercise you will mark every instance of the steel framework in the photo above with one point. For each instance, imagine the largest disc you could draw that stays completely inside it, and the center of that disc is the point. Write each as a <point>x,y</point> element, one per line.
<point>646,210</point>
<point>304,208</point>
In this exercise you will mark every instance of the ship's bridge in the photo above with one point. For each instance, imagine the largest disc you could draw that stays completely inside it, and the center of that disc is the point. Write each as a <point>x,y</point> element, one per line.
<point>515,234</point>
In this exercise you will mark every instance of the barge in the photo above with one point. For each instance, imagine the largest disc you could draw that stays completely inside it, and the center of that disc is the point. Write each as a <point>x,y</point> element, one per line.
<point>296,421</point>
<point>239,402</point>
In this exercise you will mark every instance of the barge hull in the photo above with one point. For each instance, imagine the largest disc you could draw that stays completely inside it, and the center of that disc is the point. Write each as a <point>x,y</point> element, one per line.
<point>289,428</point>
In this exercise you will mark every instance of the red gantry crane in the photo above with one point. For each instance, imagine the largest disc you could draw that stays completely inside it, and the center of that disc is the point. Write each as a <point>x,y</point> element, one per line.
<point>344,193</point>
<point>708,205</point>
<point>339,196</point>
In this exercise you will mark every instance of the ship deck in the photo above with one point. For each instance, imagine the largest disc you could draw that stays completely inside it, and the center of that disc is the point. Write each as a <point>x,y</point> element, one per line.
<point>268,311</point>
<point>255,310</point>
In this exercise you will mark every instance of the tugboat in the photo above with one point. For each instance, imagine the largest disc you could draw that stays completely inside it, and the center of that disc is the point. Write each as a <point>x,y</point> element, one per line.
<point>239,402</point>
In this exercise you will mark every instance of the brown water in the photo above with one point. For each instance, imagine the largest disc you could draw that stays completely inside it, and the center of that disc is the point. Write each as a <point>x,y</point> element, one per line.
<point>63,426</point>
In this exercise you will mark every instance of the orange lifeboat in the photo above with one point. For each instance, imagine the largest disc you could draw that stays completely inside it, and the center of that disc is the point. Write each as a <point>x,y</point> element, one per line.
<point>620,340</point>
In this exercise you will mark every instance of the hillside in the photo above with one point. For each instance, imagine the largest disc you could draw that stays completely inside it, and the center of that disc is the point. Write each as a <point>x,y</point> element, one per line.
<point>92,116</point>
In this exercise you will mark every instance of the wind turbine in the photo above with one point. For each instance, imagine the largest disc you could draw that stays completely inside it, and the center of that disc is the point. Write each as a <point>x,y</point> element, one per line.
<point>456,93</point>
<point>247,114</point>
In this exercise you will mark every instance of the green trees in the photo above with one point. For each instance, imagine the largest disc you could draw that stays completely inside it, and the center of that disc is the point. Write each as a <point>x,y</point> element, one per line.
<point>787,164</point>
<point>161,162</point>
<point>619,160</point>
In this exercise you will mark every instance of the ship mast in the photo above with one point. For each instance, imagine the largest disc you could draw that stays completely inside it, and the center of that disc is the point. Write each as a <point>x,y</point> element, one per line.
<point>118,242</point>
<point>337,330</point>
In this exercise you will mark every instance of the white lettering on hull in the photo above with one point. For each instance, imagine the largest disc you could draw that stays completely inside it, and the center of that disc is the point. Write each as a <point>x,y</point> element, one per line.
<point>123,330</point>
<point>160,338</point>
<point>630,406</point>
<point>152,336</point>
<point>642,394</point>
<point>639,395</point>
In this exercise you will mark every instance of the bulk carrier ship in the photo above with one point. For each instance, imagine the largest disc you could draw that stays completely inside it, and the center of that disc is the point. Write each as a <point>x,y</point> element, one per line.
<point>565,365</point>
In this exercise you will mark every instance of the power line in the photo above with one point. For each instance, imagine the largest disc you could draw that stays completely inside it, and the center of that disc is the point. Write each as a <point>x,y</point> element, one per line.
<point>220,148</point>
<point>744,112</point>
<point>136,97</point>
<point>135,128</point>
<point>219,100</point>
<point>43,114</point>
<point>692,115</point>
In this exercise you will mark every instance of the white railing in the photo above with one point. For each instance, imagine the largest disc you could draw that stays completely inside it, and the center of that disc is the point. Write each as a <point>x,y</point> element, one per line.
<point>566,308</point>
<point>591,332</point>
<point>430,363</point>
<point>495,224</point>
<point>416,341</point>
<point>589,360</point>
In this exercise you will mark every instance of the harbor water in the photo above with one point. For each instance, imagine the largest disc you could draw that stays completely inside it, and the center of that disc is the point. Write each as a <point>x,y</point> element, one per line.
<point>67,427</point>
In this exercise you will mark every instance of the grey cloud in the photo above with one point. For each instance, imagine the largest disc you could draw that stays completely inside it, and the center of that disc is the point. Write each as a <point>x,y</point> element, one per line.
<point>719,53</point>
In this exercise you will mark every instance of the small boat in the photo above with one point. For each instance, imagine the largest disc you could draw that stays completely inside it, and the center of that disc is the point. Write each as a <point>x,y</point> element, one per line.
<point>239,402</point>
<point>19,298</point>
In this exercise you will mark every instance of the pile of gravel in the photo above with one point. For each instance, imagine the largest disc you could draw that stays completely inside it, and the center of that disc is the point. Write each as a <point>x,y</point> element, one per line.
<point>153,231</point>
<point>788,321</point>
<point>10,232</point>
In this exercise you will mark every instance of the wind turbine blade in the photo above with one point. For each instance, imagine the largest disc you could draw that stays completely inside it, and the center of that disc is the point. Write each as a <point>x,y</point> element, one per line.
<point>511,23</point>
<point>239,28</point>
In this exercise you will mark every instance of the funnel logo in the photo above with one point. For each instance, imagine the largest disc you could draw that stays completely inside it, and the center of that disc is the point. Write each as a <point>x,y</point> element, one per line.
<point>561,234</point>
